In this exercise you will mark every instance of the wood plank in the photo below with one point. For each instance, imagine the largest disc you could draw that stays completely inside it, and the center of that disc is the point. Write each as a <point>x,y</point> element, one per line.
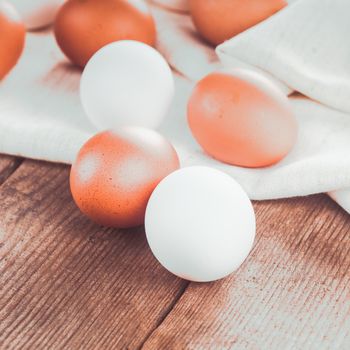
<point>8,165</point>
<point>67,283</point>
<point>293,291</point>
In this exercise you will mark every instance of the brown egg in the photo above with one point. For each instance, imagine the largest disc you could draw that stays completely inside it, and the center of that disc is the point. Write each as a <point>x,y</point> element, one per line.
<point>12,37</point>
<point>83,27</point>
<point>116,172</point>
<point>220,20</point>
<point>241,118</point>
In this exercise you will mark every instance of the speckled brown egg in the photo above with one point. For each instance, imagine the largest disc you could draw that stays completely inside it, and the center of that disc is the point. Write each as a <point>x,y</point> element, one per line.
<point>116,172</point>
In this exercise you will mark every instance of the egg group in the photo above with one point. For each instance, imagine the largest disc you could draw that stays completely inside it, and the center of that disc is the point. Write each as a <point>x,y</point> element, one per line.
<point>83,27</point>
<point>126,83</point>
<point>241,118</point>
<point>12,37</point>
<point>200,224</point>
<point>220,20</point>
<point>115,173</point>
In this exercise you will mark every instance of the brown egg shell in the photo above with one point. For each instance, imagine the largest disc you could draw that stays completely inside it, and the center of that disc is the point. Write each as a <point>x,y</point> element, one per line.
<point>220,20</point>
<point>83,27</point>
<point>116,172</point>
<point>12,38</point>
<point>241,118</point>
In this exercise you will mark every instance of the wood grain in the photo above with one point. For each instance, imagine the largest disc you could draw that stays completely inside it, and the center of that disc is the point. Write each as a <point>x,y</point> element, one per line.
<point>8,166</point>
<point>67,283</point>
<point>293,292</point>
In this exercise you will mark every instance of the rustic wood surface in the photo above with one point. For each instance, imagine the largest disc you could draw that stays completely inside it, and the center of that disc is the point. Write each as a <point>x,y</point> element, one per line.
<point>67,283</point>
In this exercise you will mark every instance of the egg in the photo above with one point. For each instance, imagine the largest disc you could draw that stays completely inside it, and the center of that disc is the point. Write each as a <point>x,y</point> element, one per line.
<point>115,173</point>
<point>37,14</point>
<point>83,27</point>
<point>200,224</point>
<point>12,37</point>
<point>241,118</point>
<point>126,83</point>
<point>220,20</point>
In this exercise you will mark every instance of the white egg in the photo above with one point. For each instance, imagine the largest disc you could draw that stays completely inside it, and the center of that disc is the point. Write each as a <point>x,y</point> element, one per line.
<point>37,13</point>
<point>126,83</point>
<point>200,224</point>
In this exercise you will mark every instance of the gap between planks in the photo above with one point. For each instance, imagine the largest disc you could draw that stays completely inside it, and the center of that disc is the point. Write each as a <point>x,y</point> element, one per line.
<point>68,281</point>
<point>167,311</point>
<point>8,165</point>
<point>292,292</point>
<point>305,220</point>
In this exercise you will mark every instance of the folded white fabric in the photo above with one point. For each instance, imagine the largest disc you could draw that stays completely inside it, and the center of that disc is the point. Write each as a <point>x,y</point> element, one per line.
<point>40,112</point>
<point>302,48</point>
<point>41,116</point>
<point>305,48</point>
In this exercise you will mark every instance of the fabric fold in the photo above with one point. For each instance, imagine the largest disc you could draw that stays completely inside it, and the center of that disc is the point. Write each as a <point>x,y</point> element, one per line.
<point>41,116</point>
<point>302,48</point>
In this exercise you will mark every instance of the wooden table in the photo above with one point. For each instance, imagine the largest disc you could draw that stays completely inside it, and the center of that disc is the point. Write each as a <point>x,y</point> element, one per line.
<point>67,283</point>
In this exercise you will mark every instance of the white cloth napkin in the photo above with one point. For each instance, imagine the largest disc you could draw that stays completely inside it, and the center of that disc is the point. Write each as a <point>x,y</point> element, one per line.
<point>303,48</point>
<point>41,116</point>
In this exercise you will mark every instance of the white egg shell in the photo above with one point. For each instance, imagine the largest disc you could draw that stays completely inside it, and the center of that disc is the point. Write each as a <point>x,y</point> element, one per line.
<point>200,224</point>
<point>126,83</point>
<point>37,13</point>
